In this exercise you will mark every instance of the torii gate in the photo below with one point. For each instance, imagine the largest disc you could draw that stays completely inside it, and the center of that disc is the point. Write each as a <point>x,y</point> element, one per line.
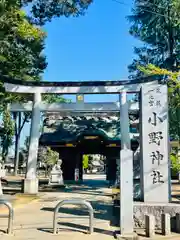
<point>149,90</point>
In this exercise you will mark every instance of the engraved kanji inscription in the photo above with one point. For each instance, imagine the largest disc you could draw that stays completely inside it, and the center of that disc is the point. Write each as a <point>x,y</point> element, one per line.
<point>156,156</point>
<point>158,90</point>
<point>158,103</point>
<point>155,137</point>
<point>151,101</point>
<point>157,177</point>
<point>154,119</point>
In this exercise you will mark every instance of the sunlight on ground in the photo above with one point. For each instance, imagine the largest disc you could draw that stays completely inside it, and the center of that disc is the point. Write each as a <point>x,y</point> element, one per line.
<point>19,200</point>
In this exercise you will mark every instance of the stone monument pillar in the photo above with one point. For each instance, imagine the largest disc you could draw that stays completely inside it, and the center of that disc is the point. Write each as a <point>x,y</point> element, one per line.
<point>155,171</point>
<point>31,180</point>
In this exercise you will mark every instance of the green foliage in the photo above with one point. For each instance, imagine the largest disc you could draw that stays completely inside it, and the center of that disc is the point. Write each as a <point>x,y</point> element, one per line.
<point>157,25</point>
<point>174,96</point>
<point>21,46</point>
<point>8,132</point>
<point>173,80</point>
<point>175,162</point>
<point>54,98</point>
<point>145,55</point>
<point>44,10</point>
<point>176,9</point>
<point>85,162</point>
<point>51,157</point>
<point>47,156</point>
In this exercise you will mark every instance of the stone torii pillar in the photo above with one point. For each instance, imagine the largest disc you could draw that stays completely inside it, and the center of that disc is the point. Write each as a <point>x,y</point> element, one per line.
<point>31,180</point>
<point>126,171</point>
<point>93,87</point>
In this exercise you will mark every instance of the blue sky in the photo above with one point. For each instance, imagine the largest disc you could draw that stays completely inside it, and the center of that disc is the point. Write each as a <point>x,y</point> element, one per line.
<point>96,46</point>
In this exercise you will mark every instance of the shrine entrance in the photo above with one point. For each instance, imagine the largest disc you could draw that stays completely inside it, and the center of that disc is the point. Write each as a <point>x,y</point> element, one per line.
<point>88,147</point>
<point>151,163</point>
<point>73,135</point>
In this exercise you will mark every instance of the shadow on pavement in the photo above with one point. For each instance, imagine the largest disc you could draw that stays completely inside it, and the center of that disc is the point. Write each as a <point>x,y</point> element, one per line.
<point>60,229</point>
<point>102,210</point>
<point>77,228</point>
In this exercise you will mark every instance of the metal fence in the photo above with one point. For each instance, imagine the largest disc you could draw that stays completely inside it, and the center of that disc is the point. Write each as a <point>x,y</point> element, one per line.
<point>74,202</point>
<point>10,215</point>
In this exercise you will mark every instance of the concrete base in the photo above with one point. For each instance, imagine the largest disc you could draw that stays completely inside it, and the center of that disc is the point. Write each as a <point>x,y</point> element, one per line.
<point>156,209</point>
<point>132,236</point>
<point>31,186</point>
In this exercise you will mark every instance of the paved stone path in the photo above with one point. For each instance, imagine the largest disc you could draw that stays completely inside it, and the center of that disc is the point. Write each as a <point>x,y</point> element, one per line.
<point>34,221</point>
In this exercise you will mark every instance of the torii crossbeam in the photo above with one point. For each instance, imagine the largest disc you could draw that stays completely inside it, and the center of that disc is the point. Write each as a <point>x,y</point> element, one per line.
<point>126,155</point>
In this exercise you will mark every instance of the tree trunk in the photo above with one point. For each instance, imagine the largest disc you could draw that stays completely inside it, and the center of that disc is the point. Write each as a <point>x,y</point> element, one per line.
<point>17,145</point>
<point>5,152</point>
<point>46,172</point>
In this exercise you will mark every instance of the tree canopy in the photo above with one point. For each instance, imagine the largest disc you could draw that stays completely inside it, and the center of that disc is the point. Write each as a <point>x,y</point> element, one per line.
<point>21,46</point>
<point>157,25</point>
<point>47,156</point>
<point>21,52</point>
<point>42,11</point>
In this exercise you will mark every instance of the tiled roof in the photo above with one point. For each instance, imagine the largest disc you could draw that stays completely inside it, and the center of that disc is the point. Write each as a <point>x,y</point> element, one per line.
<point>58,128</point>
